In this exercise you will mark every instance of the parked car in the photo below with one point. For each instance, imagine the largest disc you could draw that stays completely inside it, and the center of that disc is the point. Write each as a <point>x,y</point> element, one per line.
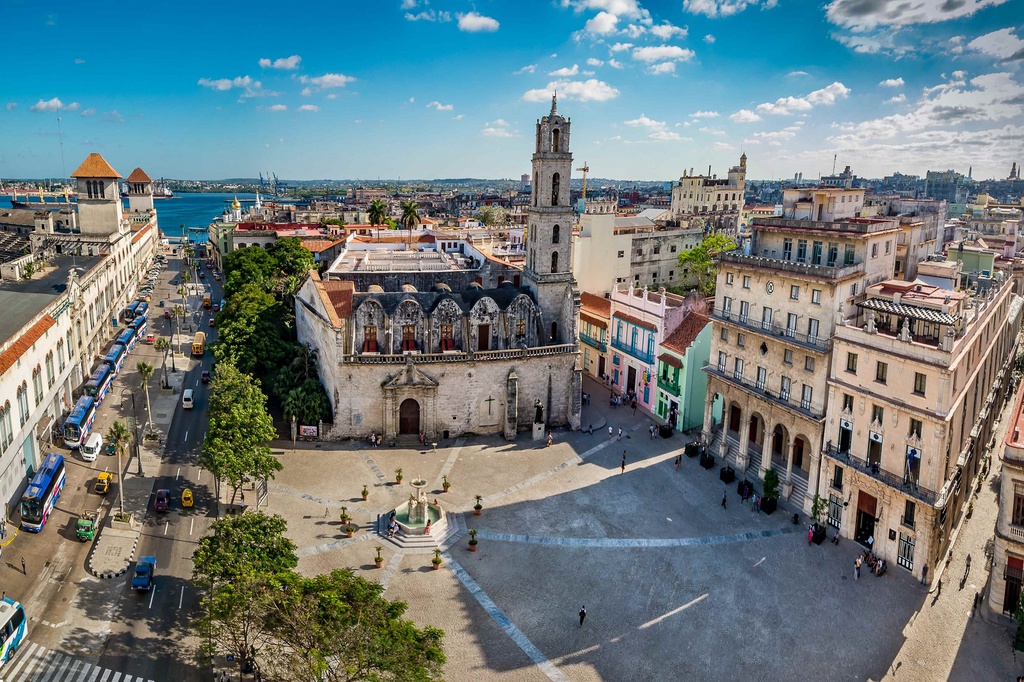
<point>103,483</point>
<point>151,339</point>
<point>217,277</point>
<point>205,376</point>
<point>167,313</point>
<point>202,275</point>
<point>216,307</point>
<point>163,500</point>
<point>144,570</point>
<point>212,323</point>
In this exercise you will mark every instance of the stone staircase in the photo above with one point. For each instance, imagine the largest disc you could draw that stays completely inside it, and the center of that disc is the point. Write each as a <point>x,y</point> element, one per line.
<point>451,527</point>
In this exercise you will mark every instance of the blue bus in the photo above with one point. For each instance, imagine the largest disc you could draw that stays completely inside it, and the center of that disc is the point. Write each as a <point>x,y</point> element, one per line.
<point>142,310</point>
<point>131,311</point>
<point>127,338</point>
<point>99,383</point>
<point>13,628</point>
<point>79,422</point>
<point>139,325</point>
<point>115,358</point>
<point>42,493</point>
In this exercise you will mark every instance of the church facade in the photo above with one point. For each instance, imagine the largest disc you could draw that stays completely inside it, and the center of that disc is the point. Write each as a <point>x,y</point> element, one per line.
<point>407,346</point>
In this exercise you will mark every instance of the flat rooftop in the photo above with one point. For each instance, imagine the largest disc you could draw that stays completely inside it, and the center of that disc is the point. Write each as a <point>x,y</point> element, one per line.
<point>392,260</point>
<point>23,300</point>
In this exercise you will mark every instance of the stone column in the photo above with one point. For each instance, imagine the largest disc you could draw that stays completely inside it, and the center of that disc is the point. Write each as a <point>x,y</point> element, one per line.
<point>766,451</point>
<point>742,459</point>
<point>813,476</point>
<point>709,411</point>
<point>787,487</point>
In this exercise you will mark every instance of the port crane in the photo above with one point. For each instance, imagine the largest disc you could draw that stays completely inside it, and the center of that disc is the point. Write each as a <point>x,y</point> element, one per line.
<point>586,169</point>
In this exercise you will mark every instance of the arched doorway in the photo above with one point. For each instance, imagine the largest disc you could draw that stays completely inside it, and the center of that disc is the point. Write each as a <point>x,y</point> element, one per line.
<point>409,417</point>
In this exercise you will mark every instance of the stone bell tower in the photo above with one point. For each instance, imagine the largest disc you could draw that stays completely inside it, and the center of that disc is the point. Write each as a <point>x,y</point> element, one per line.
<point>549,235</point>
<point>99,198</point>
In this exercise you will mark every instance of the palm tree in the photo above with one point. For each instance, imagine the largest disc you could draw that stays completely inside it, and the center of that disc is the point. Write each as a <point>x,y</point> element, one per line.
<point>119,436</point>
<point>378,212</point>
<point>162,346</point>
<point>146,372</point>
<point>410,217</point>
<point>176,312</point>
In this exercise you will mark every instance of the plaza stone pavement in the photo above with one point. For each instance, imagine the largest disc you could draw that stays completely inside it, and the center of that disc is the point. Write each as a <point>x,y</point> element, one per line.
<point>675,586</point>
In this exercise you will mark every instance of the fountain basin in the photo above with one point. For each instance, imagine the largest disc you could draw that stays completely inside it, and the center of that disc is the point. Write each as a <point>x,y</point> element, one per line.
<point>416,527</point>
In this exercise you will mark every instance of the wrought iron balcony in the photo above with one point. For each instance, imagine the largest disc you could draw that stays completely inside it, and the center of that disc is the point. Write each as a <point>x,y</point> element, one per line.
<point>774,330</point>
<point>780,398</point>
<point>637,353</point>
<point>807,269</point>
<point>668,385</point>
<point>593,342</point>
<point>875,471</point>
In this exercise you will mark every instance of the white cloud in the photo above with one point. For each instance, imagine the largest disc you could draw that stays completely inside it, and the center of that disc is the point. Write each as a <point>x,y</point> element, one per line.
<point>48,105</point>
<point>787,106</point>
<point>458,117</point>
<point>11,106</point>
<point>892,82</point>
<point>227,83</point>
<point>283,63</point>
<point>615,63</point>
<point>114,115</point>
<point>745,116</point>
<point>662,68</point>
<point>474,22</point>
<point>590,90</point>
<point>709,39</point>
<point>656,130</point>
<point>897,99</point>
<point>408,4</point>
<point>1002,44</point>
<point>499,128</point>
<point>499,122</point>
<point>602,24</point>
<point>704,114</point>
<point>278,107</point>
<point>861,15</point>
<point>333,95</point>
<point>711,131</point>
<point>594,62</point>
<point>784,134</point>
<point>440,107</point>
<point>620,47</point>
<point>88,112</point>
<point>324,82</point>
<point>622,8</point>
<point>722,8</point>
<point>723,145</point>
<point>665,136</point>
<point>667,31</point>
<point>74,106</point>
<point>797,74</point>
<point>429,15</point>
<point>412,100</point>
<point>79,61</point>
<point>566,71</point>
<point>657,53</point>
<point>529,68</point>
<point>634,31</point>
<point>309,107</point>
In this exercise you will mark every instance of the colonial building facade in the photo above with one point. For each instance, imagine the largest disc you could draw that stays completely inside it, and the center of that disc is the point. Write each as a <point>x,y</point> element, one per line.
<point>717,200</point>
<point>1007,576</point>
<point>430,341</point>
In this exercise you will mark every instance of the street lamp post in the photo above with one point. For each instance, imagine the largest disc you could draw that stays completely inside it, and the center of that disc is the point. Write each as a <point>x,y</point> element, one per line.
<point>135,424</point>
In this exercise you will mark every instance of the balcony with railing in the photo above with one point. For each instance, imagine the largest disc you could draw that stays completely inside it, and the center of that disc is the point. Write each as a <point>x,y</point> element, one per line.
<point>593,342</point>
<point>668,385</point>
<point>793,266</point>
<point>638,353</point>
<point>815,342</point>
<point>780,398</point>
<point>875,471</point>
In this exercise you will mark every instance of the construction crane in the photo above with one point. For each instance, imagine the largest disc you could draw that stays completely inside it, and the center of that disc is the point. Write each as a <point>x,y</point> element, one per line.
<point>586,169</point>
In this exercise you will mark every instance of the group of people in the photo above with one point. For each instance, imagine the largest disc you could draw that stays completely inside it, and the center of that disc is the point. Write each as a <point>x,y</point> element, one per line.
<point>874,563</point>
<point>376,439</point>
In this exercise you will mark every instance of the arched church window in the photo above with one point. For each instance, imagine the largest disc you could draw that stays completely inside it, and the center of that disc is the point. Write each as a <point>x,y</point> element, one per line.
<point>555,186</point>
<point>554,234</point>
<point>554,139</point>
<point>554,332</point>
<point>554,262</point>
<point>536,189</point>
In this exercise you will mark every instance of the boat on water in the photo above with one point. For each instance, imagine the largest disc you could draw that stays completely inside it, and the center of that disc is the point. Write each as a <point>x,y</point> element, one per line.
<point>161,191</point>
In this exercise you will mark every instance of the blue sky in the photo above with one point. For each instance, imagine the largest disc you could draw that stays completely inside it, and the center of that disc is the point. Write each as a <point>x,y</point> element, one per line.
<point>452,88</point>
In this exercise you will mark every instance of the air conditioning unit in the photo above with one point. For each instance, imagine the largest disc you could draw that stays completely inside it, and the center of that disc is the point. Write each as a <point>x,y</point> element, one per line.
<point>848,425</point>
<point>876,437</point>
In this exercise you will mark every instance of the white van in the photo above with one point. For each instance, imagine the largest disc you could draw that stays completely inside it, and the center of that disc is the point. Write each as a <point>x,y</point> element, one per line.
<point>187,399</point>
<point>91,447</point>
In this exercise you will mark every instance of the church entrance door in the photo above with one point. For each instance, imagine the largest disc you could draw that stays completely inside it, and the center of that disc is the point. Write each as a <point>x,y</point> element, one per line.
<point>409,417</point>
<point>484,337</point>
<point>631,379</point>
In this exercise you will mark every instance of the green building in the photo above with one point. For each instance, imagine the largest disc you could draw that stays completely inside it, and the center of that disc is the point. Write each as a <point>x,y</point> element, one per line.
<point>682,383</point>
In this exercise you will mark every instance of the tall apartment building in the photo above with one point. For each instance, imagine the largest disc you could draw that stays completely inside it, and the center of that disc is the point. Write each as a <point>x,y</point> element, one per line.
<point>776,307</point>
<point>56,324</point>
<point>1007,574</point>
<point>718,200</point>
<point>917,377</point>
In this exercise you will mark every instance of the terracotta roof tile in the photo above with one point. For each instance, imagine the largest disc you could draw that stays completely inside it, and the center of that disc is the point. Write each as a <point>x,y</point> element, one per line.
<point>140,233</point>
<point>683,336</point>
<point>596,321</point>
<point>10,356</point>
<point>340,295</point>
<point>670,360</point>
<point>138,175</point>
<point>595,305</point>
<point>95,166</point>
<point>637,321</point>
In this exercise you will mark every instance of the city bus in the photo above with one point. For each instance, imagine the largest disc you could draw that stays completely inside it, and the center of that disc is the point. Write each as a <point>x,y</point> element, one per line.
<point>128,337</point>
<point>131,311</point>
<point>199,344</point>
<point>13,628</point>
<point>142,310</point>
<point>79,422</point>
<point>42,493</point>
<point>115,358</point>
<point>99,383</point>
<point>207,299</point>
<point>139,325</point>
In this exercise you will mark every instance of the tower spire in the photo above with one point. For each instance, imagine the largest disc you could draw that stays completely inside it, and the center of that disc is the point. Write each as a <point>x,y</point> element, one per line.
<point>554,103</point>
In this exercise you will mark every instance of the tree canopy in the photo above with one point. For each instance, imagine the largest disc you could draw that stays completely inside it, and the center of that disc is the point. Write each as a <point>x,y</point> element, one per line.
<point>251,331</point>
<point>700,260</point>
<point>245,542</point>
<point>492,216</point>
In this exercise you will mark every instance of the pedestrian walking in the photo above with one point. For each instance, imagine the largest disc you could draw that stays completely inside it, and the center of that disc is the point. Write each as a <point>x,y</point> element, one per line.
<point>757,505</point>
<point>810,534</point>
<point>679,459</point>
<point>620,433</point>
<point>583,615</point>
<point>924,575</point>
<point>634,407</point>
<point>591,430</point>
<point>856,569</point>
<point>623,461</point>
<point>550,439</point>
<point>725,498</point>
<point>611,433</point>
<point>23,571</point>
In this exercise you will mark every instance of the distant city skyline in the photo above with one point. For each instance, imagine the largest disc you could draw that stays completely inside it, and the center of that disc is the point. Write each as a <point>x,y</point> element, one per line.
<point>452,88</point>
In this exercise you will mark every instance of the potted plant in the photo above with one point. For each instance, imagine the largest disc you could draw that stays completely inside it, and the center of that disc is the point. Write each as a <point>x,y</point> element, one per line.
<point>366,492</point>
<point>445,484</point>
<point>350,530</point>
<point>707,460</point>
<point>727,474</point>
<point>478,506</point>
<point>770,498</point>
<point>344,516</point>
<point>398,475</point>
<point>437,559</point>
<point>378,560</point>
<point>472,540</point>
<point>819,507</point>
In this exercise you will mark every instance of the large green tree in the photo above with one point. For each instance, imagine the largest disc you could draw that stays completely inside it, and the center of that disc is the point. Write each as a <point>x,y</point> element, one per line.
<point>235,448</point>
<point>377,214</point>
<point>337,627</point>
<point>492,216</point>
<point>248,267</point>
<point>252,329</point>
<point>237,618</point>
<point>291,258</point>
<point>120,437</point>
<point>700,260</point>
<point>410,217</point>
<point>245,542</point>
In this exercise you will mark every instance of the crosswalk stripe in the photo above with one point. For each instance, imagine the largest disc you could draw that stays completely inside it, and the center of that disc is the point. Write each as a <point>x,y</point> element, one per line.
<point>75,665</point>
<point>116,677</point>
<point>55,667</point>
<point>26,656</point>
<point>95,673</point>
<point>106,674</point>
<point>84,674</point>
<point>35,671</point>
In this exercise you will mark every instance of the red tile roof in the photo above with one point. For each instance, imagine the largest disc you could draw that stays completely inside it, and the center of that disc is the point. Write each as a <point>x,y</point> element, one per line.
<point>596,321</point>
<point>10,356</point>
<point>138,175</point>
<point>95,166</point>
<point>340,295</point>
<point>140,233</point>
<point>637,321</point>
<point>683,336</point>
<point>595,305</point>
<point>670,360</point>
